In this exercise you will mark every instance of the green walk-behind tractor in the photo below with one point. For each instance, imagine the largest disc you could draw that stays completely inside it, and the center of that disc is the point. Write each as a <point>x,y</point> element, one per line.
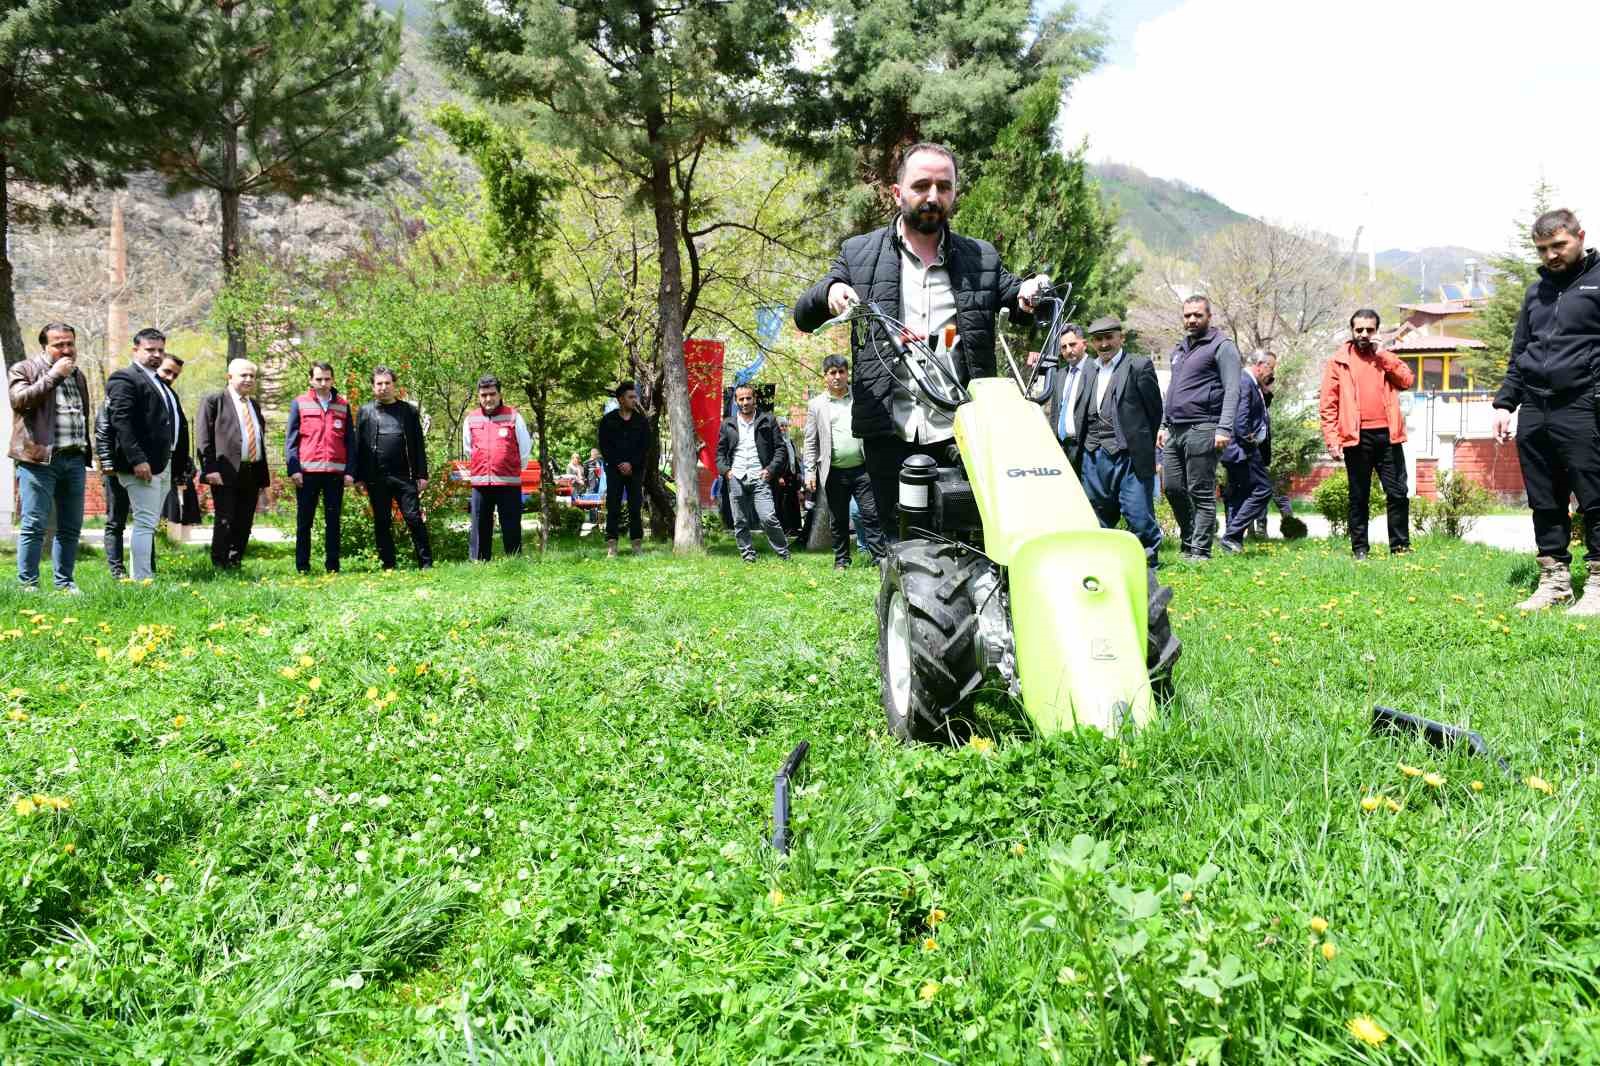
<point>1003,576</point>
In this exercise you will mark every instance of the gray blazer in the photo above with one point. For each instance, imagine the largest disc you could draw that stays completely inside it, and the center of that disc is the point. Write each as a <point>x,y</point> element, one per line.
<point>1136,409</point>
<point>819,439</point>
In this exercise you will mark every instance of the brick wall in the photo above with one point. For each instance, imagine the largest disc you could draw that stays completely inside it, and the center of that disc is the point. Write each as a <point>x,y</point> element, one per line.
<point>1428,478</point>
<point>1303,485</point>
<point>1491,464</point>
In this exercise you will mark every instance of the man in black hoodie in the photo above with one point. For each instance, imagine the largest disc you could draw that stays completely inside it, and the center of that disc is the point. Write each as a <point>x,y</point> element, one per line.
<point>1550,384</point>
<point>624,440</point>
<point>1201,397</point>
<point>392,464</point>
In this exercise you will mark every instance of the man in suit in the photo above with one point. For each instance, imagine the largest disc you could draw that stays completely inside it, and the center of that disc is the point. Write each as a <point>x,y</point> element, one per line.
<point>183,504</point>
<point>1064,386</point>
<point>230,435</point>
<point>142,416</point>
<point>1118,412</point>
<point>836,460</point>
<point>1249,483</point>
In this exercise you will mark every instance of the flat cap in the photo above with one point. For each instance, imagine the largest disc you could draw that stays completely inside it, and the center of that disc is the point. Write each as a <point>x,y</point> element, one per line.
<point>1105,324</point>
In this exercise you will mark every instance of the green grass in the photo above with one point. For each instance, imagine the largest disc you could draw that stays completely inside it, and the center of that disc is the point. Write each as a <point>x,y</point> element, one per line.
<point>516,813</point>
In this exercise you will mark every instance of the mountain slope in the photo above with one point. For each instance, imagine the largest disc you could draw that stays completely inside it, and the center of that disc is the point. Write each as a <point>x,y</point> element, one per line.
<point>1167,216</point>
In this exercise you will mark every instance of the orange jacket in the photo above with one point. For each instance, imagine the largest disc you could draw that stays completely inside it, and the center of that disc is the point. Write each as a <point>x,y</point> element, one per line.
<point>1341,409</point>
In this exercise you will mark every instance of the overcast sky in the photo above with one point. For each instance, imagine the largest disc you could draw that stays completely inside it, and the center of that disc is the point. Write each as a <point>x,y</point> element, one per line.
<point>1426,122</point>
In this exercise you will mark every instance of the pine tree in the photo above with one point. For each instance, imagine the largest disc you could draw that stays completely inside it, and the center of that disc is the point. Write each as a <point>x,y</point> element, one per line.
<point>641,88</point>
<point>283,97</point>
<point>1044,213</point>
<point>81,103</point>
<point>1515,269</point>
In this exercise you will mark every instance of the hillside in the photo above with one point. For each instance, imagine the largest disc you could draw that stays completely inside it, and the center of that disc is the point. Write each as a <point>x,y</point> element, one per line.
<point>1166,216</point>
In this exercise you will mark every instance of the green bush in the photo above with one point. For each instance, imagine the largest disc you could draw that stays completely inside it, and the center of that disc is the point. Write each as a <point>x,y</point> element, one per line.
<point>1461,501</point>
<point>1332,500</point>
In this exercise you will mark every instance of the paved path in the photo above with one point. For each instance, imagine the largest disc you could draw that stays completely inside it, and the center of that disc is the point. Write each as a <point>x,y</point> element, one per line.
<point>1510,532</point>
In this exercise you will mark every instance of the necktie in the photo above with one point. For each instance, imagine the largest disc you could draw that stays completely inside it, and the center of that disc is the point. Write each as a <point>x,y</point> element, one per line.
<point>249,433</point>
<point>1066,402</point>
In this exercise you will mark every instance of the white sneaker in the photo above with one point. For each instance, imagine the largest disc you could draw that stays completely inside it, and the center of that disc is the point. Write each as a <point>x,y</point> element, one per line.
<point>69,589</point>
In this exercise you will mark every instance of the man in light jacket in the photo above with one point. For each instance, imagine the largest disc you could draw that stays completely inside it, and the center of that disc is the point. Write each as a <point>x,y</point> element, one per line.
<point>1362,425</point>
<point>50,443</point>
<point>836,460</point>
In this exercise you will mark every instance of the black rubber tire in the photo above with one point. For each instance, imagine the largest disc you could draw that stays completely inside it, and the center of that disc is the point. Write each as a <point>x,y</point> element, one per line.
<point>935,583</point>
<point>1161,647</point>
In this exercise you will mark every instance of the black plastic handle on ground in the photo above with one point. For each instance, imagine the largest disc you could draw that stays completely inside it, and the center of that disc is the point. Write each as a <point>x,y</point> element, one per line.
<point>1438,734</point>
<point>780,796</point>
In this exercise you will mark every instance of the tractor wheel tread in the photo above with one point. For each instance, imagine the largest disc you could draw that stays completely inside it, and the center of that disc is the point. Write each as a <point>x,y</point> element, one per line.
<point>936,582</point>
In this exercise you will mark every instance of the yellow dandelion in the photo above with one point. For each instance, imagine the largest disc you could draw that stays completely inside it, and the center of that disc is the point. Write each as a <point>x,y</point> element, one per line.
<point>1410,771</point>
<point>17,715</point>
<point>289,673</point>
<point>1017,849</point>
<point>1319,925</point>
<point>102,653</point>
<point>136,654</point>
<point>1364,1029</point>
<point>307,661</point>
<point>372,692</point>
<point>1433,780</point>
<point>17,693</point>
<point>69,849</point>
<point>1371,803</point>
<point>1394,807</point>
<point>422,668</point>
<point>237,764</point>
<point>179,721</point>
<point>1539,784</point>
<point>928,991</point>
<point>935,916</point>
<point>25,807</point>
<point>981,745</point>
<point>393,670</point>
<point>314,683</point>
<point>1477,786</point>
<point>1329,950</point>
<point>929,944</point>
<point>775,897</point>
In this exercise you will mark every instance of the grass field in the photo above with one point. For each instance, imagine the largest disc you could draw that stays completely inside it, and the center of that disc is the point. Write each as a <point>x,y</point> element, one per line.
<point>517,814</point>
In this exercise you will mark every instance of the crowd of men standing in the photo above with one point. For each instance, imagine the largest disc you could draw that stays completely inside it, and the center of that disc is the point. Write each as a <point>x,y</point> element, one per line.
<point>1115,427</point>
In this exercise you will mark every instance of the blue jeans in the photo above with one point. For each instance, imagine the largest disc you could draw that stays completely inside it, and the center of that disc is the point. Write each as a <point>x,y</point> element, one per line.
<point>1116,493</point>
<point>41,487</point>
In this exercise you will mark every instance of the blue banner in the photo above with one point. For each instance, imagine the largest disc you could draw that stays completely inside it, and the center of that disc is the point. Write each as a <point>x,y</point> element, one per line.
<point>769,324</point>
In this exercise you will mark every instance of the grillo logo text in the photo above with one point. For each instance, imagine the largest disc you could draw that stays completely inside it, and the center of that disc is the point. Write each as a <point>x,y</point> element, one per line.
<point>1033,471</point>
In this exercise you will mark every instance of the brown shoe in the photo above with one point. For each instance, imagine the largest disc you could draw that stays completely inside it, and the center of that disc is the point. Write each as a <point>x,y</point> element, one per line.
<point>638,547</point>
<point>611,549</point>
<point>1555,586</point>
<point>1590,604</point>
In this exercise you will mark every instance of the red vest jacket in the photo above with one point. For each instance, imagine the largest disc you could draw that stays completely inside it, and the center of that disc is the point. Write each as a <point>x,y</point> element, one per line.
<point>496,460</point>
<point>323,442</point>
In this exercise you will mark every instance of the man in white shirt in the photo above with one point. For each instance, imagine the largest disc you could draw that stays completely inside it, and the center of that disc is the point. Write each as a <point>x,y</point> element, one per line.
<point>230,435</point>
<point>142,419</point>
<point>836,460</point>
<point>749,456</point>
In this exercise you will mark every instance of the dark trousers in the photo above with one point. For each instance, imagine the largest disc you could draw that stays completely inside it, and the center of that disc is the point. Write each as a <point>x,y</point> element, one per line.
<point>1116,493</point>
<point>1249,492</point>
<point>1376,453</point>
<point>619,485</point>
<point>117,512</point>
<point>329,488</point>
<point>843,485</point>
<point>884,456</point>
<point>235,516</point>
<point>486,500</point>
<point>384,491</point>
<point>1189,477</point>
<point>1560,458</point>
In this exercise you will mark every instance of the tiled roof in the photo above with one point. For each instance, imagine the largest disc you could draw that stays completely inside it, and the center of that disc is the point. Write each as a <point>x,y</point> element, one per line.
<point>1417,342</point>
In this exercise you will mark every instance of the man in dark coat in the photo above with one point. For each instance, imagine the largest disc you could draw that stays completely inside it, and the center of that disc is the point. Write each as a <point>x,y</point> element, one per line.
<point>1249,483</point>
<point>624,439</point>
<point>230,436</point>
<point>943,286</point>
<point>392,465</point>
<point>142,417</point>
<point>1118,411</point>
<point>750,456</point>
<point>1201,396</point>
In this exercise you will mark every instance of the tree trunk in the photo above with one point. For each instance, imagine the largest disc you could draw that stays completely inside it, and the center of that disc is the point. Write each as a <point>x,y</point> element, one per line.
<point>10,331</point>
<point>547,484</point>
<point>230,226</point>
<point>669,304</point>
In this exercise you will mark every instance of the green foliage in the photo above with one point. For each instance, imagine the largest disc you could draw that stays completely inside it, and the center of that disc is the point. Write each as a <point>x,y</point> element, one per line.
<point>1515,270</point>
<point>1461,501</point>
<point>1332,501</point>
<point>952,71</point>
<point>1043,212</point>
<point>1296,437</point>
<point>517,812</point>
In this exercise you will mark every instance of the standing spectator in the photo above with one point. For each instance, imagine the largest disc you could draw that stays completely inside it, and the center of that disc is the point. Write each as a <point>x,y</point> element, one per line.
<point>593,470</point>
<point>392,464</point>
<point>50,443</point>
<point>497,444</point>
<point>749,456</point>
<point>624,437</point>
<point>182,508</point>
<point>836,460</point>
<point>1280,495</point>
<point>1249,483</point>
<point>928,277</point>
<point>1363,426</point>
<point>115,495</point>
<point>786,486</point>
<point>142,414</point>
<point>320,452</point>
<point>575,471</point>
<point>1066,379</point>
<point>1201,398</point>
<point>1550,386</point>
<point>1118,414</point>
<point>231,438</point>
